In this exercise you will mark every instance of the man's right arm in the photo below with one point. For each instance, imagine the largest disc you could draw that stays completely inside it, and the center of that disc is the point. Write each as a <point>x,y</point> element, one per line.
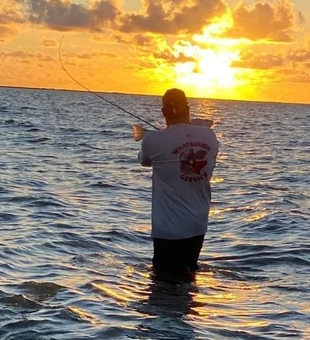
<point>144,156</point>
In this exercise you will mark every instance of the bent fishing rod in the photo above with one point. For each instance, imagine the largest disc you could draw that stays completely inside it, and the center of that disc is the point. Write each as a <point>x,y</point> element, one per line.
<point>96,94</point>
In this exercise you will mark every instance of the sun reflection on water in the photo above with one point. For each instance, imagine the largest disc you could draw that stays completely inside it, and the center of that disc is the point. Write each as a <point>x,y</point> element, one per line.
<point>219,211</point>
<point>216,301</point>
<point>84,315</point>
<point>256,217</point>
<point>217,180</point>
<point>122,295</point>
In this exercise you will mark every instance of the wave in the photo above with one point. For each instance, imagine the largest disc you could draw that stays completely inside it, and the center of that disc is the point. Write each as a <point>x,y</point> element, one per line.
<point>75,215</point>
<point>20,301</point>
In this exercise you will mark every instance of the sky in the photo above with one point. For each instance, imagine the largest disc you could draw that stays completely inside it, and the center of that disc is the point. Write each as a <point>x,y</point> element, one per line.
<point>226,49</point>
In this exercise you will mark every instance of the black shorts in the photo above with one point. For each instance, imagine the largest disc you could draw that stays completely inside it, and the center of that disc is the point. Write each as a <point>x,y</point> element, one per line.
<point>177,255</point>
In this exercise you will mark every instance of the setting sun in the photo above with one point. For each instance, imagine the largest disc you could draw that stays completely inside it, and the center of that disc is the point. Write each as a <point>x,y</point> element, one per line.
<point>211,70</point>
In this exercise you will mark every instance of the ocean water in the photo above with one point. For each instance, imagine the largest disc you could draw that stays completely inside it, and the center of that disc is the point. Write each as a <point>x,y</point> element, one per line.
<point>75,246</point>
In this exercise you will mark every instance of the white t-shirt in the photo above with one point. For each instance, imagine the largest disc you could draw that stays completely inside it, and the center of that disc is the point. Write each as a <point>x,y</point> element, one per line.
<point>183,158</point>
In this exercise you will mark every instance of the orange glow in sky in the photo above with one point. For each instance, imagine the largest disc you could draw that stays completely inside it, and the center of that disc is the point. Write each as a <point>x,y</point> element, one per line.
<point>248,50</point>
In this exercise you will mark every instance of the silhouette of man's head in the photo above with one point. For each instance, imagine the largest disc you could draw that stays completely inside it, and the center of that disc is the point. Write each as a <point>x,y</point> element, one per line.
<point>175,104</point>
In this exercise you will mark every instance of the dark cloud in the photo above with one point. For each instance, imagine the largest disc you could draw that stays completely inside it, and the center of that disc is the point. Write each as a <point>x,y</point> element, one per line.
<point>262,20</point>
<point>263,61</point>
<point>169,57</point>
<point>273,21</point>
<point>143,40</point>
<point>64,15</point>
<point>121,39</point>
<point>167,17</point>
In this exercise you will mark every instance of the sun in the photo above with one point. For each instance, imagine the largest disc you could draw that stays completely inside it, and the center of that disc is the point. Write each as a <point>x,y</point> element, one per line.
<point>205,65</point>
<point>208,67</point>
<point>215,68</point>
<point>210,70</point>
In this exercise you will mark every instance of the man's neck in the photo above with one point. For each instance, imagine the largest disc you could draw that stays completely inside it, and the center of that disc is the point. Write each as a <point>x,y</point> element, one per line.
<point>177,120</point>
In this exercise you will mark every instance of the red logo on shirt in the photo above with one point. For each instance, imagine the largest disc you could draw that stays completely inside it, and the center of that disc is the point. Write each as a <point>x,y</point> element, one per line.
<point>193,160</point>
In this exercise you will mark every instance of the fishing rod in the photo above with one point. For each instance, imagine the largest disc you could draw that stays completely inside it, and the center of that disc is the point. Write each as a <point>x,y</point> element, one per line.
<point>96,94</point>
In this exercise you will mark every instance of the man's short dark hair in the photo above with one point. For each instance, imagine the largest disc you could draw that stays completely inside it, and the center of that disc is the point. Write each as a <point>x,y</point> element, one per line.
<point>175,101</point>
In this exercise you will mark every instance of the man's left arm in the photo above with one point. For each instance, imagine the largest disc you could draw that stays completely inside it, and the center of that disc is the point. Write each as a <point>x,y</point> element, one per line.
<point>216,151</point>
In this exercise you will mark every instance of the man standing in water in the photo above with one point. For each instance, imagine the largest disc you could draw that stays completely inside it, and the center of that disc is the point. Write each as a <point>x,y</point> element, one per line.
<point>183,158</point>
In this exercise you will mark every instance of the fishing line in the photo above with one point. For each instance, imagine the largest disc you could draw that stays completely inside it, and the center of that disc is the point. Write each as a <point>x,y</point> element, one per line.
<point>96,94</point>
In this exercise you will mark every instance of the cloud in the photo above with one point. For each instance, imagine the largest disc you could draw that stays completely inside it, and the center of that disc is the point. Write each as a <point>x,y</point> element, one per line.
<point>272,21</point>
<point>173,58</point>
<point>287,66</point>
<point>25,55</point>
<point>299,55</point>
<point>7,31</point>
<point>63,15</point>
<point>157,49</point>
<point>143,40</point>
<point>301,18</point>
<point>263,61</point>
<point>49,43</point>
<point>10,13</point>
<point>293,59</point>
<point>91,55</point>
<point>10,20</point>
<point>147,64</point>
<point>262,20</point>
<point>293,76</point>
<point>173,17</point>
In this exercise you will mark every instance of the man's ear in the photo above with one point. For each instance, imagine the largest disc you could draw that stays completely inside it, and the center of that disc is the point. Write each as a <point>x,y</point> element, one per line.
<point>186,111</point>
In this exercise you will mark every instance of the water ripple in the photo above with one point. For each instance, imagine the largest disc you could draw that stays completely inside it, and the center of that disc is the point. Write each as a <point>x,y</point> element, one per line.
<point>75,249</point>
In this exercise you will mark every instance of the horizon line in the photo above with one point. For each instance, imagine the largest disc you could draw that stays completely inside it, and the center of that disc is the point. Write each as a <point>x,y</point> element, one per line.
<point>154,95</point>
